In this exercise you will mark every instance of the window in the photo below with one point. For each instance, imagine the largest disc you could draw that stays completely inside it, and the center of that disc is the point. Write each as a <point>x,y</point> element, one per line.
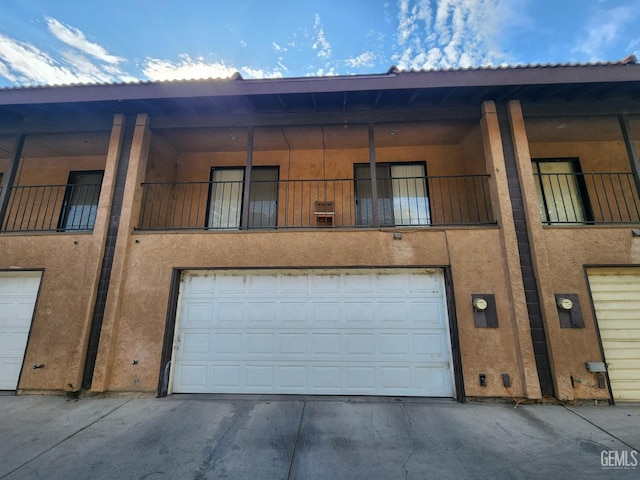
<point>226,196</point>
<point>80,204</point>
<point>402,194</point>
<point>561,191</point>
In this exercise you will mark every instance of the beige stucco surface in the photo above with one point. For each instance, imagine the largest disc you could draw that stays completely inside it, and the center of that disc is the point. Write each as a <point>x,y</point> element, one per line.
<point>71,266</point>
<point>59,331</point>
<point>145,296</point>
<point>560,253</point>
<point>569,250</point>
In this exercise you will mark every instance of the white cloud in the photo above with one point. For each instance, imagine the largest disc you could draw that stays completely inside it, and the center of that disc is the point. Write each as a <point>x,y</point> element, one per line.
<point>4,72</point>
<point>26,64</point>
<point>450,33</point>
<point>250,72</point>
<point>279,48</point>
<point>605,29</point>
<point>365,59</point>
<point>320,42</point>
<point>77,39</point>
<point>186,68</point>
<point>243,43</point>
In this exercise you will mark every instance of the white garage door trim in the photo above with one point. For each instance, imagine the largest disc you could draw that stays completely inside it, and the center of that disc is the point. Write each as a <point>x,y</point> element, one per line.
<point>18,293</point>
<point>314,331</point>
<point>616,300</point>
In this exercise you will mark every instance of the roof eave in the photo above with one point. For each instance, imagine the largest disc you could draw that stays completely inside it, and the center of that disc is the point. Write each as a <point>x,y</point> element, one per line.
<point>511,76</point>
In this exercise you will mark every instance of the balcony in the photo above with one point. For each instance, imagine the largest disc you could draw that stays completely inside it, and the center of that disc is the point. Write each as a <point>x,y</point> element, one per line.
<point>412,201</point>
<point>587,198</point>
<point>52,208</point>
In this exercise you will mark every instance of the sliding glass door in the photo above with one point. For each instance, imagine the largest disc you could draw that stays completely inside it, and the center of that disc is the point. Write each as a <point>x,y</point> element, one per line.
<point>402,194</point>
<point>226,196</point>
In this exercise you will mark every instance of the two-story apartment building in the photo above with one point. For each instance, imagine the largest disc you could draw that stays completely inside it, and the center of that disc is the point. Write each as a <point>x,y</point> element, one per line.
<point>455,233</point>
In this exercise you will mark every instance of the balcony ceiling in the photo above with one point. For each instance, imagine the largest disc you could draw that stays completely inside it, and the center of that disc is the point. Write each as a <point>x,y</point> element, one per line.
<point>575,129</point>
<point>316,137</point>
<point>58,145</point>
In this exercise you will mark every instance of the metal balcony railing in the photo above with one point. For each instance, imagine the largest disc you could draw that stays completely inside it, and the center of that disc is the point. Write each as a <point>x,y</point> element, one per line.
<point>588,198</point>
<point>46,208</point>
<point>325,203</point>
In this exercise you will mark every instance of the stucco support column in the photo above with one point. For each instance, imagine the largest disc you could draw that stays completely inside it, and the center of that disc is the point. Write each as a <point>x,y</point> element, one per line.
<point>74,369</point>
<point>131,204</point>
<point>502,208</point>
<point>539,256</point>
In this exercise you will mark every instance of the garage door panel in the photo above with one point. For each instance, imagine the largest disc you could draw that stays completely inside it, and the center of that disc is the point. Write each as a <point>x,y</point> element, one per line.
<point>229,312</point>
<point>360,312</point>
<point>293,344</point>
<point>260,344</point>
<point>193,376</point>
<point>200,285</point>
<point>325,344</point>
<point>427,314</point>
<point>262,284</point>
<point>616,299</point>
<point>623,337</point>
<point>259,377</point>
<point>437,378</point>
<point>18,292</point>
<point>326,378</point>
<point>327,312</point>
<point>431,346</point>
<point>294,312</point>
<point>324,284</point>
<point>318,333</point>
<point>228,343</point>
<point>622,321</point>
<point>195,344</point>
<point>293,376</point>
<point>9,372</point>
<point>355,284</point>
<point>623,367</point>
<point>225,378</point>
<point>198,313</point>
<point>393,311</point>
<point>394,344</point>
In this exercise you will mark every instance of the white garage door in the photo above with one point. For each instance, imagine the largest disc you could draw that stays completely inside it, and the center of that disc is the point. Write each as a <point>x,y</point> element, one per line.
<point>616,299</point>
<point>371,332</point>
<point>18,291</point>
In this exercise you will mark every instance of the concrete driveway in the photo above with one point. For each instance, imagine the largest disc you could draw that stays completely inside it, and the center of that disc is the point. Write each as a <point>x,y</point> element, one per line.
<point>211,437</point>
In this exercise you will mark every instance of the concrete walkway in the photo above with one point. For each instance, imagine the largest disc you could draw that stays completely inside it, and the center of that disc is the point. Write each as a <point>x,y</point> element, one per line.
<point>211,437</point>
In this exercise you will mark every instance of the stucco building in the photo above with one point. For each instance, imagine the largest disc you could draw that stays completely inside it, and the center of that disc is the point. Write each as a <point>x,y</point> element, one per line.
<point>457,233</point>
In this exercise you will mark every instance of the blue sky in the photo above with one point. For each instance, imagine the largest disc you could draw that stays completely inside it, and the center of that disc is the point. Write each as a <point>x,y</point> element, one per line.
<point>45,42</point>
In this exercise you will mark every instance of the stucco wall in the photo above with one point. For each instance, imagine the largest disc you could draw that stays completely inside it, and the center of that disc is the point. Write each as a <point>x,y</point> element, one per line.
<point>569,250</point>
<point>152,258</point>
<point>560,253</point>
<point>70,263</point>
<point>59,331</point>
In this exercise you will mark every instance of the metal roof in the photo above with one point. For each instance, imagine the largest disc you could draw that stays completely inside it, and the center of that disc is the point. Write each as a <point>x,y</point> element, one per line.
<point>394,90</point>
